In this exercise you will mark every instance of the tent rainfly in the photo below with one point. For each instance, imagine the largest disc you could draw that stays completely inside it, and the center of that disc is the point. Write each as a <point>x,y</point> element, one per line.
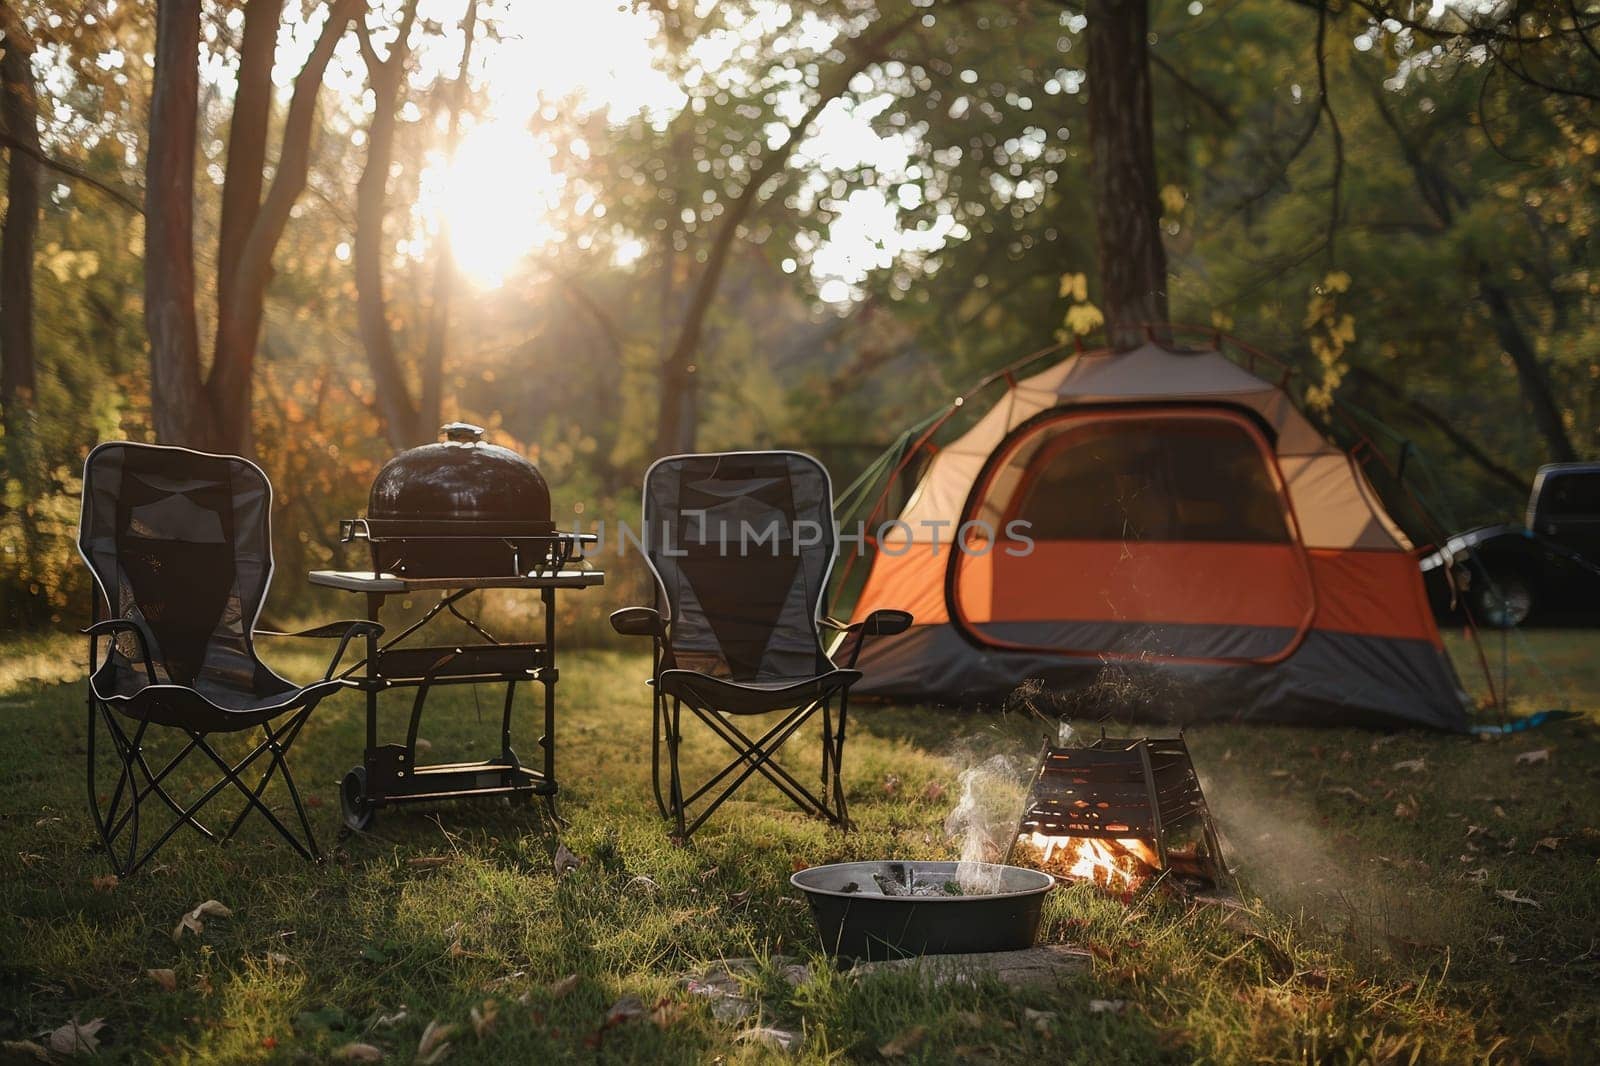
<point>1164,530</point>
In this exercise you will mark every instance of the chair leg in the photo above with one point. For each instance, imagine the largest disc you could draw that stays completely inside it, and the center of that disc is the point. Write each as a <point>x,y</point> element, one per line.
<point>675,793</point>
<point>277,743</point>
<point>759,756</point>
<point>658,712</point>
<point>838,761</point>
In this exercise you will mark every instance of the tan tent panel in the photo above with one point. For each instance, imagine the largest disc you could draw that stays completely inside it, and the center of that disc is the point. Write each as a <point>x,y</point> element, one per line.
<point>1174,514</point>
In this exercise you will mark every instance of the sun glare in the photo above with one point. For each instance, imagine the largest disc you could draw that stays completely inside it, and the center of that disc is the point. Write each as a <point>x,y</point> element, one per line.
<point>496,199</point>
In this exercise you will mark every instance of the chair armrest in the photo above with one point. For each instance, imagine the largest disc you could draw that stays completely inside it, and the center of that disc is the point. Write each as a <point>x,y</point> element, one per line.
<point>639,622</point>
<point>886,623</point>
<point>343,627</point>
<point>881,623</point>
<point>345,630</point>
<point>111,626</point>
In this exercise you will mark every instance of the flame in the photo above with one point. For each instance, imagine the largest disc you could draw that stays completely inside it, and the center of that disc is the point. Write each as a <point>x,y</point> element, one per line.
<point>1121,863</point>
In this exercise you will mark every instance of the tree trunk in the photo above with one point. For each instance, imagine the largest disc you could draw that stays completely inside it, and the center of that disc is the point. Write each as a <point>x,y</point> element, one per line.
<point>177,397</point>
<point>247,139</point>
<point>19,114</point>
<point>1132,260</point>
<point>1531,373</point>
<point>239,320</point>
<point>675,426</point>
<point>387,77</point>
<point>431,406</point>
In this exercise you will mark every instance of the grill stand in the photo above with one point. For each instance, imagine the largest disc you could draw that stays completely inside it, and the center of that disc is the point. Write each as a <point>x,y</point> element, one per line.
<point>389,773</point>
<point>1115,788</point>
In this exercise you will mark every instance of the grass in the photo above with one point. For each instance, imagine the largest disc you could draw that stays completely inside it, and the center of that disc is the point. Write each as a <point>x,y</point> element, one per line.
<point>1375,927</point>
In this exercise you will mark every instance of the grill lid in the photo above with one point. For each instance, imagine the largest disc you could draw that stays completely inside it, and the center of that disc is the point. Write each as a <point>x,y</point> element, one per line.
<point>463,484</point>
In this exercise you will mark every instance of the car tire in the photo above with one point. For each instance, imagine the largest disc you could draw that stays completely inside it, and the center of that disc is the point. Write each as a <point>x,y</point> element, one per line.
<point>1504,601</point>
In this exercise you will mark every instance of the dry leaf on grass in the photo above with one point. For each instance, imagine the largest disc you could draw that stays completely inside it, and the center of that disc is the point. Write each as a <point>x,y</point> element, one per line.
<point>389,1021</point>
<point>782,1039</point>
<point>359,1053</point>
<point>1415,766</point>
<point>167,979</point>
<point>1406,808</point>
<point>424,745</point>
<point>1348,792</point>
<point>625,1009</point>
<point>566,861</point>
<point>105,882</point>
<point>484,1017</point>
<point>905,1042</point>
<point>429,862</point>
<point>667,1013</point>
<point>18,1050</point>
<point>278,958</point>
<point>1510,895</point>
<point>1547,844</point>
<point>77,1037</point>
<point>194,921</point>
<point>1534,757</point>
<point>563,988</point>
<point>1107,1006</point>
<point>1040,1020</point>
<point>933,792</point>
<point>435,1043</point>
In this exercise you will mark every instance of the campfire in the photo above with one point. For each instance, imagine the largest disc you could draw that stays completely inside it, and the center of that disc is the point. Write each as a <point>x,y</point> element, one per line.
<point>1119,813</point>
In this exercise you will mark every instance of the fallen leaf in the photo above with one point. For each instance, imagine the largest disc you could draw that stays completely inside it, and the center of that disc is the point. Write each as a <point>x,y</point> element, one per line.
<point>1406,808</point>
<point>277,958</point>
<point>1534,757</point>
<point>484,1018</point>
<point>905,1042</point>
<point>75,1037</point>
<point>1280,774</point>
<point>105,882</point>
<point>565,860</point>
<point>424,745</point>
<point>891,784</point>
<point>933,792</point>
<point>1107,1006</point>
<point>667,1013</point>
<point>1547,844</point>
<point>18,1048</point>
<point>1347,791</point>
<point>435,1043</point>
<point>625,1009</point>
<point>194,921</point>
<point>782,1039</point>
<point>562,988</point>
<point>389,1021</point>
<point>167,979</point>
<point>359,1053</point>
<point>1510,894</point>
<point>1415,766</point>
<point>428,862</point>
<point>1041,1020</point>
<point>1480,876</point>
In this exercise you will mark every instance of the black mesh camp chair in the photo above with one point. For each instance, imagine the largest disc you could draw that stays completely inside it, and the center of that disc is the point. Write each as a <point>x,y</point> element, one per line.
<point>180,546</point>
<point>741,544</point>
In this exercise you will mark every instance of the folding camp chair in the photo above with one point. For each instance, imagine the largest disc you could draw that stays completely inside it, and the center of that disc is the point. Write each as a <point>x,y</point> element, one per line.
<point>180,546</point>
<point>741,544</point>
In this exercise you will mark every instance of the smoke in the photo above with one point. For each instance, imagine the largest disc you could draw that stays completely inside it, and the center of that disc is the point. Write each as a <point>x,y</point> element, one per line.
<point>985,819</point>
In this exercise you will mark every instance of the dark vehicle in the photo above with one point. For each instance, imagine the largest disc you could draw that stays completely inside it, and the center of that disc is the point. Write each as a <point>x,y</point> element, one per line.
<point>1547,570</point>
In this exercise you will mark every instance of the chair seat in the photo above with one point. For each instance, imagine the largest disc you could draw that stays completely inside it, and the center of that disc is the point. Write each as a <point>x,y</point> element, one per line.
<point>209,706</point>
<point>754,697</point>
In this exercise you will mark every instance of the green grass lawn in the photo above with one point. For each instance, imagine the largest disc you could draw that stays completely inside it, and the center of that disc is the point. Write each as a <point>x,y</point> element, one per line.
<point>1408,898</point>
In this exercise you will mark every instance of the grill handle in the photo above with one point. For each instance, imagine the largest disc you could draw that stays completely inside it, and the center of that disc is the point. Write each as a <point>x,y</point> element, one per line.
<point>462,432</point>
<point>353,529</point>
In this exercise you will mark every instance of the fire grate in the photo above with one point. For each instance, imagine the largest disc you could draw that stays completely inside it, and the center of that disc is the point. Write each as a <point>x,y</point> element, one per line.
<point>1118,811</point>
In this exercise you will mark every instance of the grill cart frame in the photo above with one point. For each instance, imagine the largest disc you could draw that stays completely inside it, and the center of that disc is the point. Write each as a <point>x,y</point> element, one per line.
<point>389,774</point>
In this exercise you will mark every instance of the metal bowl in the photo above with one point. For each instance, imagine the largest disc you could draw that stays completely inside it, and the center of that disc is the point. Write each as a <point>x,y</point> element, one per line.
<point>863,923</point>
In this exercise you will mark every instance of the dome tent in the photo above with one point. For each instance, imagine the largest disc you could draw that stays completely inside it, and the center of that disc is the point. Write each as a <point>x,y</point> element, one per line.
<point>1171,516</point>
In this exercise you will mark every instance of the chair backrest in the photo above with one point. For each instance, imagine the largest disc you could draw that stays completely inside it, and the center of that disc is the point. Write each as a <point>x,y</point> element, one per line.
<point>741,544</point>
<point>181,541</point>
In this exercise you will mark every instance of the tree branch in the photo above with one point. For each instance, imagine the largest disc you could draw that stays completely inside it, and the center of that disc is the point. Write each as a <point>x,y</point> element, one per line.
<point>68,170</point>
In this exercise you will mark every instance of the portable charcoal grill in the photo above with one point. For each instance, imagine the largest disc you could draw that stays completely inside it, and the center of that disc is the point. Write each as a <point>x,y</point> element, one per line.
<point>1119,791</point>
<point>455,518</point>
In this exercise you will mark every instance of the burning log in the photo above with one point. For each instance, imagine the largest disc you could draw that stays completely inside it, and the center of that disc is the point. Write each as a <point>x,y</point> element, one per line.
<point>1118,813</point>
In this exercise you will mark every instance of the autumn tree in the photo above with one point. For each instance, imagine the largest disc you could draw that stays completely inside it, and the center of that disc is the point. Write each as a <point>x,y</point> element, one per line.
<point>192,405</point>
